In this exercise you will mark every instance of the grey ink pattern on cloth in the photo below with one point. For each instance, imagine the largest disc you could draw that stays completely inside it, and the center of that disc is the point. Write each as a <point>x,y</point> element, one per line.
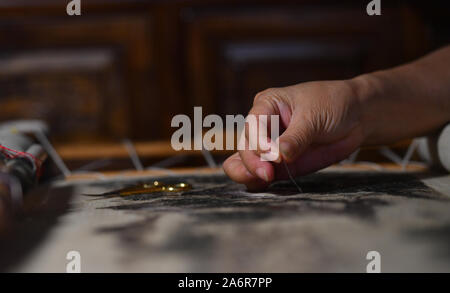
<point>218,226</point>
<point>280,229</point>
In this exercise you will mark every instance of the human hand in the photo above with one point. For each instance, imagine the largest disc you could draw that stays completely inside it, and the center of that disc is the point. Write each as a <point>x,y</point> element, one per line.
<point>320,123</point>
<point>324,122</point>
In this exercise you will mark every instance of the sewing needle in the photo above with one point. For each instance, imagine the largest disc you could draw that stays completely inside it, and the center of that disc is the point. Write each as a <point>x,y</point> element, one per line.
<point>292,178</point>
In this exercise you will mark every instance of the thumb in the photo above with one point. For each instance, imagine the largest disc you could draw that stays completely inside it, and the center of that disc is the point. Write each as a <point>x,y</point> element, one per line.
<point>296,138</point>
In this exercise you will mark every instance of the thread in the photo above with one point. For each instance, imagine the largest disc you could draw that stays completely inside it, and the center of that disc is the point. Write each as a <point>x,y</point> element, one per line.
<point>16,154</point>
<point>43,140</point>
<point>209,158</point>
<point>291,177</point>
<point>133,154</point>
<point>409,152</point>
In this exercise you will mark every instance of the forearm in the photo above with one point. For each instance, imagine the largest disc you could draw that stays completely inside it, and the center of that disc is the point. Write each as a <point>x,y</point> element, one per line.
<point>406,101</point>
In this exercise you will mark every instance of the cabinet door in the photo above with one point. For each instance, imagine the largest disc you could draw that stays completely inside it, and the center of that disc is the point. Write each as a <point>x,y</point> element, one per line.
<point>90,78</point>
<point>234,52</point>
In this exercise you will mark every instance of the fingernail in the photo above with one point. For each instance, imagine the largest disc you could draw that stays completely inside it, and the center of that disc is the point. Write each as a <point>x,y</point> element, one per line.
<point>261,172</point>
<point>285,149</point>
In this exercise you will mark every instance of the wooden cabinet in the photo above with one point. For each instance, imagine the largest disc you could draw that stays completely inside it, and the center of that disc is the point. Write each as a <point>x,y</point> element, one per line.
<point>124,68</point>
<point>84,75</point>
<point>234,52</point>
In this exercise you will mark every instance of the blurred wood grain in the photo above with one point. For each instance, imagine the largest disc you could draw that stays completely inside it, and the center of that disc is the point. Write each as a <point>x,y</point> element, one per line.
<point>125,68</point>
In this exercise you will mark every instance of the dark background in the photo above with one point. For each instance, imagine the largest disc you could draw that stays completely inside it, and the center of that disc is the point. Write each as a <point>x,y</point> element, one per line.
<point>125,68</point>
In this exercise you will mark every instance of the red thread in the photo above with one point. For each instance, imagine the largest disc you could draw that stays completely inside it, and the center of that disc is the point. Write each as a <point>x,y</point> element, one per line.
<point>37,162</point>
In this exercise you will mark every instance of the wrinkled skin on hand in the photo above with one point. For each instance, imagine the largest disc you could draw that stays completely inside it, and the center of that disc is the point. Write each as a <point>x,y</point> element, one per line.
<point>320,125</point>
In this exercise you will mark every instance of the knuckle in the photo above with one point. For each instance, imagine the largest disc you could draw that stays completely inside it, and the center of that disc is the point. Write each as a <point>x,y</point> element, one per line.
<point>295,139</point>
<point>300,136</point>
<point>267,101</point>
<point>265,95</point>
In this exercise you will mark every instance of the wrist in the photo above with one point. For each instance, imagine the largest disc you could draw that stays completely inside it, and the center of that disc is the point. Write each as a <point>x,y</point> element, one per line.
<point>366,89</point>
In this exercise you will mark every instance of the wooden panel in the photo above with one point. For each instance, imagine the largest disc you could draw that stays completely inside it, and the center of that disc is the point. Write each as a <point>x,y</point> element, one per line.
<point>76,92</point>
<point>251,67</point>
<point>86,76</point>
<point>160,58</point>
<point>234,52</point>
